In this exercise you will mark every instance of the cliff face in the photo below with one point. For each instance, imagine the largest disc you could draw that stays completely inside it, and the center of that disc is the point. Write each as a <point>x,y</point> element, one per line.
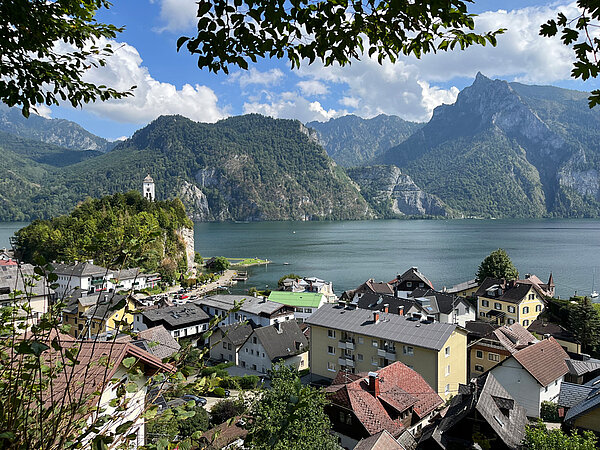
<point>508,150</point>
<point>393,193</point>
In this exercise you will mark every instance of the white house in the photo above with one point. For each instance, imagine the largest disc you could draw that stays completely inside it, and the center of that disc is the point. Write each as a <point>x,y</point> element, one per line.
<point>534,374</point>
<point>283,342</point>
<point>180,321</point>
<point>260,311</point>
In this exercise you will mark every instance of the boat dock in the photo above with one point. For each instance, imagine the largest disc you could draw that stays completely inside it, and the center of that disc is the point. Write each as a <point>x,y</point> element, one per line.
<point>240,276</point>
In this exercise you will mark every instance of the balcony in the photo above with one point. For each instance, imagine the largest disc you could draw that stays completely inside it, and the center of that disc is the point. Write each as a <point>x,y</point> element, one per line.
<point>349,362</point>
<point>349,345</point>
<point>387,353</point>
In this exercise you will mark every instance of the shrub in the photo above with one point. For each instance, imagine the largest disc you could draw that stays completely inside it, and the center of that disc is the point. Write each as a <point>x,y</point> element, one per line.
<point>549,412</point>
<point>225,410</point>
<point>248,381</point>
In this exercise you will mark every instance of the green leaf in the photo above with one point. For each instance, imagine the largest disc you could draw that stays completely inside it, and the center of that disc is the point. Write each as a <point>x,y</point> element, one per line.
<point>124,427</point>
<point>129,361</point>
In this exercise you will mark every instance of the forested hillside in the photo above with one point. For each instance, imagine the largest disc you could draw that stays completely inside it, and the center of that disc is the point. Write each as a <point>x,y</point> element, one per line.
<point>242,168</point>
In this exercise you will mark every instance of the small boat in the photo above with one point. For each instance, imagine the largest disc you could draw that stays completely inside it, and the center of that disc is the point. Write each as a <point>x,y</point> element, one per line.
<point>286,264</point>
<point>594,294</point>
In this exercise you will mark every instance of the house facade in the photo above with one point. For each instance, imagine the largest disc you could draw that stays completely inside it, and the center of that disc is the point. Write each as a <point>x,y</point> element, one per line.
<point>410,280</point>
<point>358,340</point>
<point>508,302</point>
<point>282,342</point>
<point>181,321</point>
<point>226,341</point>
<point>534,374</point>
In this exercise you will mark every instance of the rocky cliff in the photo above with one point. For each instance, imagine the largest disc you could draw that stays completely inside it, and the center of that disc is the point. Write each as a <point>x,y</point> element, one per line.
<point>394,194</point>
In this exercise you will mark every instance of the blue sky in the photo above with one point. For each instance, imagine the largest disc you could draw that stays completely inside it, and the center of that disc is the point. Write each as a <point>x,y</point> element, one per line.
<point>171,83</point>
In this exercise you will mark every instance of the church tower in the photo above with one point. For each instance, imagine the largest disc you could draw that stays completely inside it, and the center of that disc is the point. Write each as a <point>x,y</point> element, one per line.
<point>148,188</point>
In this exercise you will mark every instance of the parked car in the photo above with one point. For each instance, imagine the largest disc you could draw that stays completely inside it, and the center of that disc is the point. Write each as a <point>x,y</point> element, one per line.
<point>199,400</point>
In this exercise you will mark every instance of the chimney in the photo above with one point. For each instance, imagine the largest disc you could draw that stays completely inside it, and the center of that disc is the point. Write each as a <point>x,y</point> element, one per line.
<point>400,310</point>
<point>376,316</point>
<point>374,384</point>
<point>386,308</point>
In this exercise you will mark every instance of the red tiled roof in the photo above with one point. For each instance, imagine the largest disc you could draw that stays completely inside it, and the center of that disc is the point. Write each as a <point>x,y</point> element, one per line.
<point>400,387</point>
<point>545,361</point>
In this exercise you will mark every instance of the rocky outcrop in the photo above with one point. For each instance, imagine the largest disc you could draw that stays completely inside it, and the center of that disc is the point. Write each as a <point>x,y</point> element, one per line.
<point>187,235</point>
<point>393,193</point>
<point>195,201</point>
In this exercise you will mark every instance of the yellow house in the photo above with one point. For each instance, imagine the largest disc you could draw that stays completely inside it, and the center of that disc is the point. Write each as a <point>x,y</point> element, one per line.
<point>360,340</point>
<point>90,315</point>
<point>508,302</point>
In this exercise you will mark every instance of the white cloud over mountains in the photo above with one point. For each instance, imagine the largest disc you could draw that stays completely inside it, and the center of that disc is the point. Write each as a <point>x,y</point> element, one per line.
<point>151,98</point>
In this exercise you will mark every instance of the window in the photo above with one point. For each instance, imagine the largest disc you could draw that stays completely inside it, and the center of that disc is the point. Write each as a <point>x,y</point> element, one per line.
<point>330,350</point>
<point>526,323</point>
<point>361,340</point>
<point>374,343</point>
<point>485,303</point>
<point>482,314</point>
<point>511,309</point>
<point>176,333</point>
<point>498,306</point>
<point>409,284</point>
<point>331,333</point>
<point>308,310</point>
<point>254,340</point>
<point>531,296</point>
<point>447,351</point>
<point>421,285</point>
<point>408,350</point>
<point>448,370</point>
<point>225,345</point>
<point>494,357</point>
<point>467,310</point>
<point>228,346</point>
<point>447,390</point>
<point>374,360</point>
<point>331,367</point>
<point>246,349</point>
<point>478,368</point>
<point>511,321</point>
<point>538,308</point>
<point>525,309</point>
<point>479,354</point>
<point>359,356</point>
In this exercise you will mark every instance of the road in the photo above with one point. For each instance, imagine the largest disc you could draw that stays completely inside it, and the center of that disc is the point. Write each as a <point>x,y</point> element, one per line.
<point>224,280</point>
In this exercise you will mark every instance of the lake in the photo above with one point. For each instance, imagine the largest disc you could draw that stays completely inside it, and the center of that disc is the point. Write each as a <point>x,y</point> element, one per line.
<point>446,251</point>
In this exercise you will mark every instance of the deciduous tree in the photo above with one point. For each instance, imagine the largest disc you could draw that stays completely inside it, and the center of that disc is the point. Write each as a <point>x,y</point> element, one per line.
<point>497,265</point>
<point>537,437</point>
<point>584,322</point>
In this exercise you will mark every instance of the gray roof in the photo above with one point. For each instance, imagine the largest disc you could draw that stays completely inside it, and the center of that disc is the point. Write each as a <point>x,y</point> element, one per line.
<point>237,332</point>
<point>250,305</point>
<point>462,286</point>
<point>579,368</point>
<point>390,326</point>
<point>159,341</point>
<point>282,340</point>
<point>82,269</point>
<point>11,279</point>
<point>571,394</point>
<point>591,402</point>
<point>104,304</point>
<point>179,316</point>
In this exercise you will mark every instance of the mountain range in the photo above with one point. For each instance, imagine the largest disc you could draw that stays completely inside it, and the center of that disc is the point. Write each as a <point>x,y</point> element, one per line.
<point>501,150</point>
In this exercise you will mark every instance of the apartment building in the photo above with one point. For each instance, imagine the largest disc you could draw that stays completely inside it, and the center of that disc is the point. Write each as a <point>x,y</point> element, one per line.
<point>358,340</point>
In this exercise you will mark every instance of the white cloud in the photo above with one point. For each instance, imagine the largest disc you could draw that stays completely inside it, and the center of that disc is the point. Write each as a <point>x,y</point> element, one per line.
<point>290,105</point>
<point>151,98</point>
<point>312,87</point>
<point>254,76</point>
<point>42,111</point>
<point>178,15</point>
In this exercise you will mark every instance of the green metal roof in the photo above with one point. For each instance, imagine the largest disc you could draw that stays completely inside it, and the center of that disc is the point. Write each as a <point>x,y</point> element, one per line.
<point>298,299</point>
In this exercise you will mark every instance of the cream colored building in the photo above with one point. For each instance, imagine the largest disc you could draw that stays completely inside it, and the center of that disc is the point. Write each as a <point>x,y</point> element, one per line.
<point>508,302</point>
<point>359,340</point>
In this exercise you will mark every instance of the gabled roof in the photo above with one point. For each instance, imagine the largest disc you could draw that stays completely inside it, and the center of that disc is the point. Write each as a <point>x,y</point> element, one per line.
<point>82,269</point>
<point>390,326</point>
<point>177,316</point>
<point>378,288</point>
<point>485,395</point>
<point>579,368</point>
<point>104,305</point>
<point>379,441</point>
<point>237,333</point>
<point>282,340</point>
<point>400,388</point>
<point>446,303</point>
<point>514,337</point>
<point>297,299</point>
<point>377,302</point>
<point>512,291</point>
<point>545,361</point>
<point>412,274</point>
<point>479,328</point>
<point>543,327</point>
<point>470,284</point>
<point>161,343</point>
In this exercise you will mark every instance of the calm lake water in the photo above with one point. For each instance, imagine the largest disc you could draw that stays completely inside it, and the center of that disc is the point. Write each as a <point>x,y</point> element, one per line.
<point>446,251</point>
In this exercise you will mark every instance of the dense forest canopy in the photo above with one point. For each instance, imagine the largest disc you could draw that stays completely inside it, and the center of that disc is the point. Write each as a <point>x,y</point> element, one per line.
<point>117,231</point>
